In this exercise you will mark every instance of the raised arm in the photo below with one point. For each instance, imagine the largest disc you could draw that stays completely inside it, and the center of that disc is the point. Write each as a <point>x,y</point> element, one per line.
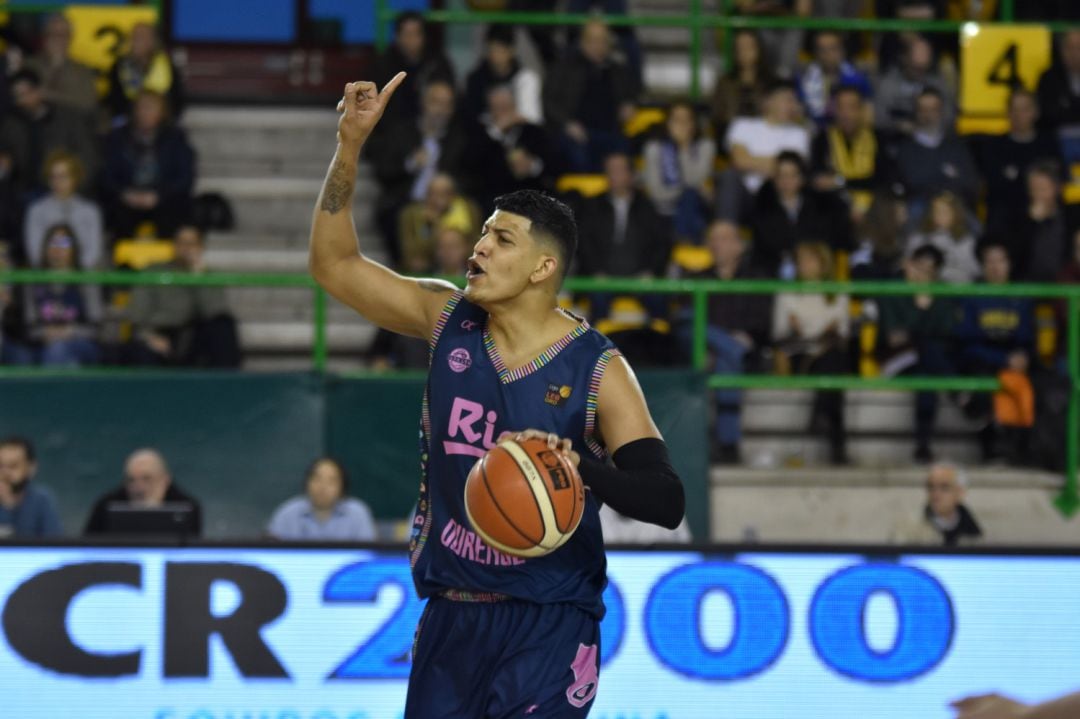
<point>389,300</point>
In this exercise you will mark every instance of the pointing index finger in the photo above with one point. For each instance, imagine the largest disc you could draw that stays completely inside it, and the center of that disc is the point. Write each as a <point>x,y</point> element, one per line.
<point>391,87</point>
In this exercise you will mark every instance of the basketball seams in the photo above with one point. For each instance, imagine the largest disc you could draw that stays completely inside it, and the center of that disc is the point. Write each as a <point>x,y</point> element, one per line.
<point>539,492</point>
<point>495,501</point>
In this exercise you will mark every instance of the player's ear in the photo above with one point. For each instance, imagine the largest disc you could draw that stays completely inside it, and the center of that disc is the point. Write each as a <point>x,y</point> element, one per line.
<point>546,266</point>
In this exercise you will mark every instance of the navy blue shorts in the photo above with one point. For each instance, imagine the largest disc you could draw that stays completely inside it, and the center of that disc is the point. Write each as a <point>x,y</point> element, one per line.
<point>496,660</point>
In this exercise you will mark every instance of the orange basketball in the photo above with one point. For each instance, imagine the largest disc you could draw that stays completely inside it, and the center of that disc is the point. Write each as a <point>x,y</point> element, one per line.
<point>523,498</point>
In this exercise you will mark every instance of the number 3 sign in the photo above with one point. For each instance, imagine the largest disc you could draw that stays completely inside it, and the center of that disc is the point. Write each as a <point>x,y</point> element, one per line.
<point>100,34</point>
<point>995,58</point>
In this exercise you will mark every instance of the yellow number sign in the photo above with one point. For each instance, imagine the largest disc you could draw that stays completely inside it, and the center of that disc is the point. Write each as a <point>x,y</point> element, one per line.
<point>100,33</point>
<point>995,58</point>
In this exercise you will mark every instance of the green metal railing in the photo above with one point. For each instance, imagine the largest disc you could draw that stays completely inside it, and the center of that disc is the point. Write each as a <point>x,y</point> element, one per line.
<point>697,20</point>
<point>17,6</point>
<point>1068,501</point>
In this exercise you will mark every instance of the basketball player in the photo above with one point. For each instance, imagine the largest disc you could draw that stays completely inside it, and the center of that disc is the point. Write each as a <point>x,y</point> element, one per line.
<point>500,636</point>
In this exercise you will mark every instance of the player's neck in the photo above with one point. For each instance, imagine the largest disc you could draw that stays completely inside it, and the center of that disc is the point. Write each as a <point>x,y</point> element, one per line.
<point>521,332</point>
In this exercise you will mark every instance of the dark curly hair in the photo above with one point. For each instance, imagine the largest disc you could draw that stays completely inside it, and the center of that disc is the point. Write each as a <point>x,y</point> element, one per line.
<point>549,217</point>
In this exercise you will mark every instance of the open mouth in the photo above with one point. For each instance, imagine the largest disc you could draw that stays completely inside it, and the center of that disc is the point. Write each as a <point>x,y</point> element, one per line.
<point>474,269</point>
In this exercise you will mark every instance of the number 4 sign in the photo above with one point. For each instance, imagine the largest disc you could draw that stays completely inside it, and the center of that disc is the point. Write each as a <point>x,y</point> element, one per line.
<point>996,58</point>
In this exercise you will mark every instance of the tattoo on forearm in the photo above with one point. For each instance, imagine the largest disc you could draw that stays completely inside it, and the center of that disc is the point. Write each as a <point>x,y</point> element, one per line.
<point>337,189</point>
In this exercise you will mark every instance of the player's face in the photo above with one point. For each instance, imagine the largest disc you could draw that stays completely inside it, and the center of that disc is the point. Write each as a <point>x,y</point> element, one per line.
<point>505,260</point>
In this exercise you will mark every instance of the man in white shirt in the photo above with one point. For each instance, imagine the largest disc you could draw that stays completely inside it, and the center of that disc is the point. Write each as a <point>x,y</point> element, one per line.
<point>754,144</point>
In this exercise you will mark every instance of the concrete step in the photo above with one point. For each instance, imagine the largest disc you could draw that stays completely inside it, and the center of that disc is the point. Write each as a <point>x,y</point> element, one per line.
<point>282,305</point>
<point>298,337</point>
<point>281,204</point>
<point>807,451</point>
<point>256,260</point>
<point>259,132</point>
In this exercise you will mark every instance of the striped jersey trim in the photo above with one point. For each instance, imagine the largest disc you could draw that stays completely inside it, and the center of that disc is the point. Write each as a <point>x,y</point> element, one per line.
<point>423,504</point>
<point>464,595</point>
<point>440,324</point>
<point>507,376</point>
<point>590,401</point>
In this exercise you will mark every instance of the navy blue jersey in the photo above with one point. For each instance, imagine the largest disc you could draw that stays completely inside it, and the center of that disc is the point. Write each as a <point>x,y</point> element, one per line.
<point>471,398</point>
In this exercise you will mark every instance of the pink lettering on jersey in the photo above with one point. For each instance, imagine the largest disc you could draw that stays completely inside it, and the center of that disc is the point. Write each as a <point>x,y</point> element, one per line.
<point>464,417</point>
<point>468,545</point>
<point>586,676</point>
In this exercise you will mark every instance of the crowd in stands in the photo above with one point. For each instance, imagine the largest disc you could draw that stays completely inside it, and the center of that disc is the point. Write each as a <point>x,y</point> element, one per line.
<point>94,181</point>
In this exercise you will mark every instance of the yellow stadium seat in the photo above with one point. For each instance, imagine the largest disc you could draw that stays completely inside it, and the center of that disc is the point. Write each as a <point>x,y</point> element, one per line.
<point>868,364</point>
<point>643,120</point>
<point>1074,171</point>
<point>977,125</point>
<point>584,185</point>
<point>139,254</point>
<point>691,258</point>
<point>1072,193</point>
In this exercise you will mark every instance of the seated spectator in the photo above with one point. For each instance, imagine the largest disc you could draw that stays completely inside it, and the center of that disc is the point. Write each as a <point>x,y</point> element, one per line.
<point>678,170</point>
<point>453,247</point>
<point>787,211</point>
<point>413,52</point>
<point>933,159</point>
<point>945,227</point>
<point>740,90</point>
<point>617,529</point>
<point>894,101</point>
<point>1038,240</point>
<point>411,152</point>
<point>811,332</point>
<point>149,170</point>
<point>420,222</point>
<point>38,128</point>
<point>64,206</point>
<point>847,157</point>
<point>325,511</point>
<point>1003,160</point>
<point>65,82</point>
<point>592,94</point>
<point>891,45</point>
<point>500,67</point>
<point>914,335</point>
<point>27,510</point>
<point>147,483</point>
<point>828,72</point>
<point>782,45</point>
<point>993,334</point>
<point>506,151</point>
<point>146,67</point>
<point>625,35</point>
<point>1059,97</point>
<point>62,321</point>
<point>738,329</point>
<point>880,239</point>
<point>945,520</point>
<point>176,325</point>
<point>754,143</point>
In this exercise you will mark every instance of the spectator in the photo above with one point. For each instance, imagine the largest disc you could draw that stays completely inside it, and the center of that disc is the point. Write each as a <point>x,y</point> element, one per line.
<point>38,128</point>
<point>62,321</point>
<point>622,234</point>
<point>592,96</point>
<point>618,529</point>
<point>65,82</point>
<point>892,44</point>
<point>945,227</point>
<point>811,332</point>
<point>1037,242</point>
<point>828,72</point>
<point>1003,160</point>
<point>412,52</point>
<point>847,157</point>
<point>678,169</point>
<point>452,251</point>
<point>27,510</point>
<point>147,483</point>
<point>933,159</point>
<point>149,170</point>
<point>146,67</point>
<point>63,206</point>
<point>786,212</point>
<point>945,520</point>
<point>628,45</point>
<point>782,46</point>
<point>914,332</point>
<point>894,102</point>
<point>509,152</point>
<point>754,144</point>
<point>1059,97</point>
<point>880,239</point>
<point>420,222</point>
<point>500,67</point>
<point>411,153</point>
<point>740,90</point>
<point>189,326</point>
<point>13,334</point>
<point>738,329</point>
<point>325,511</point>
<point>994,334</point>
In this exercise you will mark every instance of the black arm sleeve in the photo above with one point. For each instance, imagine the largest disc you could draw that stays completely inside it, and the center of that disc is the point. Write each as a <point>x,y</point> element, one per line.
<point>642,485</point>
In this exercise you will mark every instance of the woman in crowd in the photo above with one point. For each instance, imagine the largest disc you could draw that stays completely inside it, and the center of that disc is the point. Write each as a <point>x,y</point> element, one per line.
<point>945,227</point>
<point>678,168</point>
<point>740,90</point>
<point>64,173</point>
<point>325,511</point>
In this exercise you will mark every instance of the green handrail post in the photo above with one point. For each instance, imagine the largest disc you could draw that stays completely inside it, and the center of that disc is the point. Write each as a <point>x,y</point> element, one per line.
<point>701,317</point>
<point>380,25</point>
<point>1068,502</point>
<point>695,50</point>
<point>1008,11</point>
<point>319,330</point>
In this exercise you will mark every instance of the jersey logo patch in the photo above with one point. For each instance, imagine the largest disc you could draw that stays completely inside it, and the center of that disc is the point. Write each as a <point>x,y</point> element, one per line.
<point>556,396</point>
<point>460,360</point>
